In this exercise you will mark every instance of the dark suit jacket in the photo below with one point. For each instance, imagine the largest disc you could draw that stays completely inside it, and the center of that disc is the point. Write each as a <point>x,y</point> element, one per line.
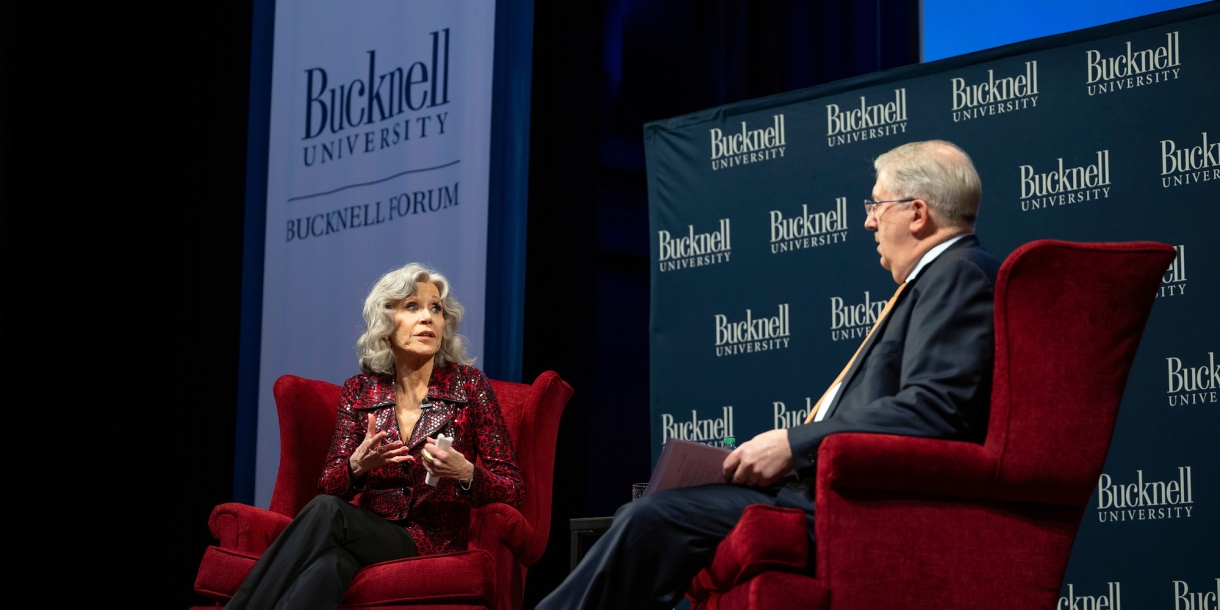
<point>927,370</point>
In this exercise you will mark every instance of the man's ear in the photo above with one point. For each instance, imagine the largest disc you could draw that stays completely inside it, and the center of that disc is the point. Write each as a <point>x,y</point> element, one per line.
<point>921,220</point>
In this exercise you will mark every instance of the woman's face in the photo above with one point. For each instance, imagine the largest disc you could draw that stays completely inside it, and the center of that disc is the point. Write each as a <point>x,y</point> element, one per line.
<point>419,323</point>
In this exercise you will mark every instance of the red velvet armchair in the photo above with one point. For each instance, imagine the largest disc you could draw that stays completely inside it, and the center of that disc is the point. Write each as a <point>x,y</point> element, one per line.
<point>503,541</point>
<point>908,522</point>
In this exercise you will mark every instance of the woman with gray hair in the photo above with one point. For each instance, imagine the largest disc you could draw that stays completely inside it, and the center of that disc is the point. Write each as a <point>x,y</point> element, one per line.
<point>389,489</point>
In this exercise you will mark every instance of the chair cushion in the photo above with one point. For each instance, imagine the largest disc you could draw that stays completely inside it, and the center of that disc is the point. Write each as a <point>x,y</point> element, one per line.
<point>770,590</point>
<point>467,577</point>
<point>766,538</point>
<point>463,577</point>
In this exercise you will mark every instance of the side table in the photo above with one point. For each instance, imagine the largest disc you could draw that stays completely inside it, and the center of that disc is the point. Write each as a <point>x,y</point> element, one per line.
<point>580,528</point>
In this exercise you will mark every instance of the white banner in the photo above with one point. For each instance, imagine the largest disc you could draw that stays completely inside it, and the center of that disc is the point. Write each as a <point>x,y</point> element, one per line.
<point>378,156</point>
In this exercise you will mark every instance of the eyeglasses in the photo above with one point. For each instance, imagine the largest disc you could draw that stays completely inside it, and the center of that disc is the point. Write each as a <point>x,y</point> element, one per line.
<point>870,206</point>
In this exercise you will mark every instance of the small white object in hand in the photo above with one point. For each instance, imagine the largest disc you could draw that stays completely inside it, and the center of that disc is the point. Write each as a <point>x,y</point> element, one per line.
<point>443,442</point>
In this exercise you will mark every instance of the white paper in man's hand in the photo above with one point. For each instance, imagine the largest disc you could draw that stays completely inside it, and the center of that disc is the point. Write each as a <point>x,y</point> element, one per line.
<point>687,464</point>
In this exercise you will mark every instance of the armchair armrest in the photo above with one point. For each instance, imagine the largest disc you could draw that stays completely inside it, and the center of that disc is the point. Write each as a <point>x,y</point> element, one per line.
<point>888,462</point>
<point>765,538</point>
<point>245,528</point>
<point>497,524</point>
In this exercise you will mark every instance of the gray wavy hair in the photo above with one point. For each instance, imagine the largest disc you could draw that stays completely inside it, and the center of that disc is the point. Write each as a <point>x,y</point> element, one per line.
<point>373,347</point>
<point>936,171</point>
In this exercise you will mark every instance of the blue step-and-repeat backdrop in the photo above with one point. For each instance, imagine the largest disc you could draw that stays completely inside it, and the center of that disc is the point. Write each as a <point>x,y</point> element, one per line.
<point>1106,134</point>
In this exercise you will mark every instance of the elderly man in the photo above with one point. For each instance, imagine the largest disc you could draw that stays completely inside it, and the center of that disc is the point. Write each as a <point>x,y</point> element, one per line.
<point>924,370</point>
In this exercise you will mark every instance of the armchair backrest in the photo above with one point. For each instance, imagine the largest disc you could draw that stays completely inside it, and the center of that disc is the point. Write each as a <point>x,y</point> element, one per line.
<point>1068,320</point>
<point>308,409</point>
<point>532,413</point>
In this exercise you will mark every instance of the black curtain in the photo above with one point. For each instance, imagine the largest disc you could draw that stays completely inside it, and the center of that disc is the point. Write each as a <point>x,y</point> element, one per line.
<point>122,192</point>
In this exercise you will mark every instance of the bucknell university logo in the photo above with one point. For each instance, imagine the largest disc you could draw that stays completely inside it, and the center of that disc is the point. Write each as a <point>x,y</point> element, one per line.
<point>853,321</point>
<point>992,96</point>
<point>694,249</point>
<point>867,121</point>
<point>709,430</point>
<point>790,418</point>
<point>809,229</point>
<point>752,334</point>
<point>1112,599</point>
<point>1132,68</point>
<point>382,100</point>
<point>1173,283</point>
<point>1140,500</point>
<point>1062,185</point>
<point>748,145</point>
<point>1189,164</point>
<point>1185,599</point>
<point>1194,383</point>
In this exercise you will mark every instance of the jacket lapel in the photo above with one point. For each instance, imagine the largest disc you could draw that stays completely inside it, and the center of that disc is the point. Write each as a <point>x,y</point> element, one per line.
<point>378,399</point>
<point>433,419</point>
<point>968,241</point>
<point>446,394</point>
<point>873,339</point>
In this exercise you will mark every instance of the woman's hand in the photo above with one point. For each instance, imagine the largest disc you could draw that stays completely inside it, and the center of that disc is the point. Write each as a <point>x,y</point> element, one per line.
<point>446,463</point>
<point>373,453</point>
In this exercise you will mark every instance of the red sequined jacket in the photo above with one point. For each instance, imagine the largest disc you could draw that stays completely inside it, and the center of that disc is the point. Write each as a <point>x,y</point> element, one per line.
<point>461,405</point>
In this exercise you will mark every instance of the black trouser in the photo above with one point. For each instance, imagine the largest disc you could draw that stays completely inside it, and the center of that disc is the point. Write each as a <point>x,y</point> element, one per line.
<point>311,563</point>
<point>658,543</point>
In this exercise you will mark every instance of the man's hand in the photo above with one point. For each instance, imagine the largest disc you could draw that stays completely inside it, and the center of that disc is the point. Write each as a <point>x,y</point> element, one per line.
<point>760,461</point>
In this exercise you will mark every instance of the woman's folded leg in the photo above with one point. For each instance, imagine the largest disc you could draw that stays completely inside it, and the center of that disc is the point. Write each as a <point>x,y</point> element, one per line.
<point>320,551</point>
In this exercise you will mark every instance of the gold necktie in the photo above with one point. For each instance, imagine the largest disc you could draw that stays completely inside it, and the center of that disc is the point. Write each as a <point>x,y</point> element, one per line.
<point>884,312</point>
